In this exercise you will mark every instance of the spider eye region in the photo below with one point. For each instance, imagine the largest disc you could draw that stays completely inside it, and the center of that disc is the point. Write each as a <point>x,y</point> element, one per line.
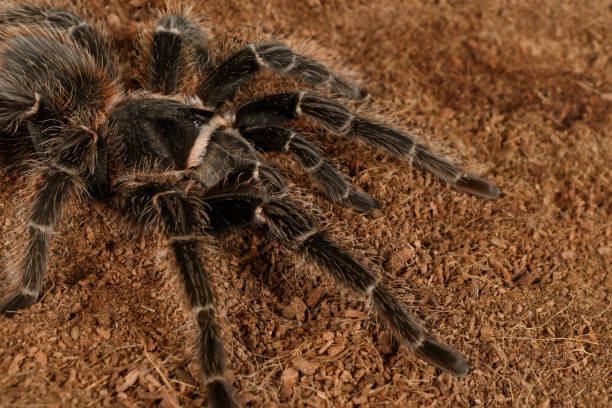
<point>200,116</point>
<point>159,130</point>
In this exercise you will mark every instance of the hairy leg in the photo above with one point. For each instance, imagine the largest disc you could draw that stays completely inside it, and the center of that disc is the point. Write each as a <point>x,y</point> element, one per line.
<point>227,156</point>
<point>175,42</point>
<point>334,185</point>
<point>79,30</point>
<point>279,108</point>
<point>292,226</point>
<point>154,203</point>
<point>63,174</point>
<point>227,78</point>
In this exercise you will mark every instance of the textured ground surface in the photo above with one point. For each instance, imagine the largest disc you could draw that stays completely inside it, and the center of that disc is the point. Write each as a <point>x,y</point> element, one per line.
<point>521,284</point>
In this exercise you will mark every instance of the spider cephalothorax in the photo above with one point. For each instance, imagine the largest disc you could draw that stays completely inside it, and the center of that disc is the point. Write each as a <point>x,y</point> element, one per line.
<point>169,159</point>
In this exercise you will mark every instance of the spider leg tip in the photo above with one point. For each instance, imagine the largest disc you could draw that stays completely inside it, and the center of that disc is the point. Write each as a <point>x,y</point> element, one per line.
<point>478,186</point>
<point>462,369</point>
<point>361,202</point>
<point>11,306</point>
<point>362,93</point>
<point>221,394</point>
<point>443,357</point>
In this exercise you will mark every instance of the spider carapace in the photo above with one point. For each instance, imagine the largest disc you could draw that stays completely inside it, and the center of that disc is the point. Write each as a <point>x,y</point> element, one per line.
<point>174,159</point>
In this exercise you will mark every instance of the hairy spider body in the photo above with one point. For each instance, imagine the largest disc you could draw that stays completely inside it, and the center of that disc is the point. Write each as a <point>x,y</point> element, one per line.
<point>170,159</point>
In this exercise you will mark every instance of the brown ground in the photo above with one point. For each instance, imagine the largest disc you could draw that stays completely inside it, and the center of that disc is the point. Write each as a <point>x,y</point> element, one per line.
<point>519,284</point>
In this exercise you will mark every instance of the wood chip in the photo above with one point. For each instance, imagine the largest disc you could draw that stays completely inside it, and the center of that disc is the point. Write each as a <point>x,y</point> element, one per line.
<point>128,380</point>
<point>306,367</point>
<point>290,377</point>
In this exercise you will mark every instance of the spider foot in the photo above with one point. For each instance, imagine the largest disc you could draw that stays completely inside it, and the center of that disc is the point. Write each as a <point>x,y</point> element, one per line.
<point>477,186</point>
<point>360,202</point>
<point>443,357</point>
<point>221,394</point>
<point>16,302</point>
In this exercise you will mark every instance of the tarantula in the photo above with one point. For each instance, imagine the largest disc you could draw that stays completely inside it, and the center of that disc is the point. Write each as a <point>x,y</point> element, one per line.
<point>173,159</point>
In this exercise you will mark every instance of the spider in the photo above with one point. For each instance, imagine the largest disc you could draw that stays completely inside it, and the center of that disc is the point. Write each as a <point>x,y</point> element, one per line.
<point>174,159</point>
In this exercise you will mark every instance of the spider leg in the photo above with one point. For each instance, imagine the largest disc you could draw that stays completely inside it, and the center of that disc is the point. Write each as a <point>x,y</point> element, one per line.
<point>174,37</point>
<point>225,80</point>
<point>17,107</point>
<point>228,149</point>
<point>230,158</point>
<point>82,32</point>
<point>151,202</point>
<point>25,112</point>
<point>290,225</point>
<point>278,108</point>
<point>165,59</point>
<point>89,38</point>
<point>258,173</point>
<point>335,186</point>
<point>63,174</point>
